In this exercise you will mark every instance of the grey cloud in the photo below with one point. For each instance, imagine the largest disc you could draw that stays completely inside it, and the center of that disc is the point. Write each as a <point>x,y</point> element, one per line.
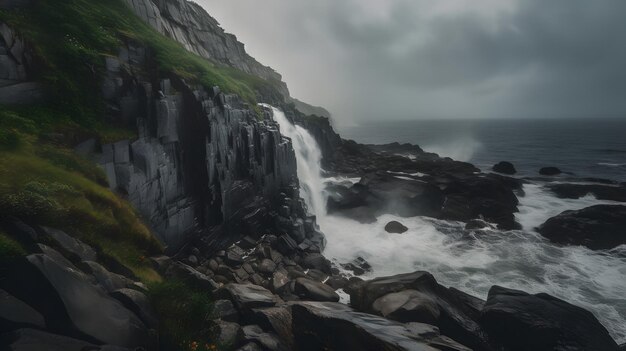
<point>409,59</point>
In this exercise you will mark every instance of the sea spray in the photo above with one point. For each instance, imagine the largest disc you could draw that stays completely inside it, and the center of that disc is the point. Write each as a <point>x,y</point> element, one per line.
<point>308,161</point>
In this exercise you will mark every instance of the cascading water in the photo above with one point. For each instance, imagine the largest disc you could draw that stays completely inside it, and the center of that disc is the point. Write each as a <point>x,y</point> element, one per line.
<point>308,159</point>
<point>520,259</point>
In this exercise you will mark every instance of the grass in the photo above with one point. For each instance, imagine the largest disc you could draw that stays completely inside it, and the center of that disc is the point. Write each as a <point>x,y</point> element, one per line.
<point>183,316</point>
<point>9,248</point>
<point>71,38</point>
<point>50,185</point>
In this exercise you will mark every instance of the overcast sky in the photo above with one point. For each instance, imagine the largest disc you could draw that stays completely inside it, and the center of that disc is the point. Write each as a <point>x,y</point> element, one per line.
<point>410,59</point>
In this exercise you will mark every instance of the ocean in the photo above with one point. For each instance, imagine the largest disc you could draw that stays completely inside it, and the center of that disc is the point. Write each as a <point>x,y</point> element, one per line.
<point>475,261</point>
<point>585,148</point>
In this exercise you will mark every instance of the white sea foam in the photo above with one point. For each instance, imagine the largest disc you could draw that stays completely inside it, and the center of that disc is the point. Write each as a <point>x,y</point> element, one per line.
<point>461,149</point>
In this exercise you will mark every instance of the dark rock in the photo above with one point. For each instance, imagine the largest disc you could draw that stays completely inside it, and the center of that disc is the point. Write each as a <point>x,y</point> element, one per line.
<point>549,171</point>
<point>192,260</point>
<point>247,296</point>
<point>224,310</point>
<point>254,333</point>
<point>225,333</point>
<point>316,274</point>
<point>597,227</point>
<point>36,340</point>
<point>250,347</point>
<point>408,306</point>
<point>109,281</point>
<point>72,305</point>
<point>71,245</point>
<point>477,224</point>
<point>276,320</point>
<point>317,261</point>
<point>279,279</point>
<point>181,271</point>
<point>334,326</point>
<point>15,314</point>
<point>520,321</point>
<point>311,290</point>
<point>600,191</point>
<point>395,227</point>
<point>161,263</point>
<point>139,304</point>
<point>504,167</point>
<point>337,282</point>
<point>457,314</point>
<point>266,266</point>
<point>358,266</point>
<point>286,245</point>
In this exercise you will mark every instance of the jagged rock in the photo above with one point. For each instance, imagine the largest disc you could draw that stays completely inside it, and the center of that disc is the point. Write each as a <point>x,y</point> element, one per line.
<point>192,260</point>
<point>458,312</point>
<point>504,167</point>
<point>15,314</point>
<point>611,192</point>
<point>549,171</point>
<point>337,282</point>
<point>277,320</point>
<point>334,326</point>
<point>139,304</point>
<point>225,333</point>
<point>267,266</point>
<point>520,321</point>
<point>477,224</point>
<point>311,290</point>
<point>255,334</point>
<point>286,245</point>
<point>224,310</point>
<point>597,227</point>
<point>317,261</point>
<point>279,279</point>
<point>316,274</point>
<point>395,227</point>
<point>71,304</point>
<point>181,271</point>
<point>35,340</point>
<point>71,245</point>
<point>247,296</point>
<point>407,306</point>
<point>161,263</point>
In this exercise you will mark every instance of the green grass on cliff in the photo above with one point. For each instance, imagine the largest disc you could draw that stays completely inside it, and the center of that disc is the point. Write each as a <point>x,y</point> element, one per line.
<point>71,38</point>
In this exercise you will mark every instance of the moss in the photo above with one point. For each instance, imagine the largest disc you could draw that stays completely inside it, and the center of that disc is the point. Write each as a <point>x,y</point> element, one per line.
<point>9,248</point>
<point>183,316</point>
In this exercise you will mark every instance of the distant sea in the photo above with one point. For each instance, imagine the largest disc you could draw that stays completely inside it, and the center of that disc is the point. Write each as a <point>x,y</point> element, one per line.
<point>583,147</point>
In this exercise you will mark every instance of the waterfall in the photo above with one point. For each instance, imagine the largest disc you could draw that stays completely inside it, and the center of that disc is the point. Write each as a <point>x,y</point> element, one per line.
<point>308,160</point>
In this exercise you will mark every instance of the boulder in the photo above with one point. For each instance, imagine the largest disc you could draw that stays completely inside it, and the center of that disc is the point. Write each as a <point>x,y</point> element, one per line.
<point>504,167</point>
<point>225,333</point>
<point>549,171</point>
<point>181,271</point>
<point>277,320</point>
<point>611,192</point>
<point>71,245</point>
<point>395,227</point>
<point>520,321</point>
<point>408,306</point>
<point>15,314</point>
<point>597,227</point>
<point>334,326</point>
<point>224,310</point>
<point>72,305</point>
<point>35,340</point>
<point>109,281</point>
<point>317,261</point>
<point>138,303</point>
<point>308,289</point>
<point>254,333</point>
<point>358,266</point>
<point>247,296</point>
<point>455,313</point>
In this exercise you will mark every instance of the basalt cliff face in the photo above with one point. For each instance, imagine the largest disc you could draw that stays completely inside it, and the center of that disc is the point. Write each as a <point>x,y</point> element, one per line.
<point>190,25</point>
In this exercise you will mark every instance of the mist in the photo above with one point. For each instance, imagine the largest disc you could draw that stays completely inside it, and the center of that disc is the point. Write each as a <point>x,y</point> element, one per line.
<point>408,59</point>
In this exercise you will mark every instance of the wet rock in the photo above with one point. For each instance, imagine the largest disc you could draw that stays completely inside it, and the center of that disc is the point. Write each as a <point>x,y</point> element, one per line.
<point>337,282</point>
<point>358,266</point>
<point>266,266</point>
<point>254,333</point>
<point>395,227</point>
<point>308,289</point>
<point>247,296</point>
<point>139,304</point>
<point>286,245</point>
<point>334,326</point>
<point>504,167</point>
<point>224,310</point>
<point>477,224</point>
<point>549,171</point>
<point>520,321</point>
<point>317,261</point>
<point>600,191</point>
<point>225,333</point>
<point>15,314</point>
<point>458,313</point>
<point>316,275</point>
<point>279,279</point>
<point>72,304</point>
<point>407,306</point>
<point>276,320</point>
<point>597,227</point>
